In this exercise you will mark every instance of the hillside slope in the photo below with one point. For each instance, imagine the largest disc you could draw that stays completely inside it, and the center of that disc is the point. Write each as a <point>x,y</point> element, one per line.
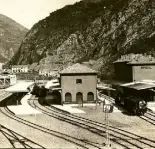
<point>11,35</point>
<point>98,33</point>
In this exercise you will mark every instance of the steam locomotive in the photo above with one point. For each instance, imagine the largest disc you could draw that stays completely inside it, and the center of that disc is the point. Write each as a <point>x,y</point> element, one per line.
<point>46,96</point>
<point>128,99</point>
<point>133,104</point>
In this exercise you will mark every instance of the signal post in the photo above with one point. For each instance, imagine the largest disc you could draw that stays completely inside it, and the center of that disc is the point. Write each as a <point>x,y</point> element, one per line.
<point>107,108</point>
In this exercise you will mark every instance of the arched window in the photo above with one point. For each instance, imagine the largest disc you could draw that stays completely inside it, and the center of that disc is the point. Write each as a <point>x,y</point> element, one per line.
<point>79,97</point>
<point>68,97</point>
<point>90,96</point>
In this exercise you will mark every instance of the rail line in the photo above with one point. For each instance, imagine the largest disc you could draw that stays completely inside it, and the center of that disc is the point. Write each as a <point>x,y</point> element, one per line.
<point>118,136</point>
<point>78,142</point>
<point>17,140</point>
<point>149,117</point>
<point>109,99</point>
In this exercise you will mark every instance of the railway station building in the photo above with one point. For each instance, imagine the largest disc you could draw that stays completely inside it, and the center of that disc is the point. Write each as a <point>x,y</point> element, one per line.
<point>78,84</point>
<point>126,71</point>
<point>135,76</point>
<point>142,89</point>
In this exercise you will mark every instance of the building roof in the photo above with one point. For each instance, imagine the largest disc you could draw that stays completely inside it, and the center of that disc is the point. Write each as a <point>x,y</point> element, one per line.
<point>136,62</point>
<point>141,63</point>
<point>139,85</point>
<point>101,87</point>
<point>125,61</point>
<point>76,69</point>
<point>20,87</point>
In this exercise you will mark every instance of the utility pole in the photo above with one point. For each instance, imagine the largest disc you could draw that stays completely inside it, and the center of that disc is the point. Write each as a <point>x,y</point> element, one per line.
<point>107,108</point>
<point>107,129</point>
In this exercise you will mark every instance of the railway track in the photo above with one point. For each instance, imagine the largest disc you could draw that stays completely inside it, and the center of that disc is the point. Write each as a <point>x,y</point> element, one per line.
<point>17,140</point>
<point>107,98</point>
<point>117,136</point>
<point>77,142</point>
<point>149,117</point>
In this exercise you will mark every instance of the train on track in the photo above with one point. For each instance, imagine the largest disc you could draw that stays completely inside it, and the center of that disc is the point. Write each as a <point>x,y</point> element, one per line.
<point>135,105</point>
<point>124,98</point>
<point>46,96</point>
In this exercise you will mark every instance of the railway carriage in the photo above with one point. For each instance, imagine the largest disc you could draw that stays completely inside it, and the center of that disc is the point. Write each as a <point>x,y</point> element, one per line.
<point>135,105</point>
<point>132,102</point>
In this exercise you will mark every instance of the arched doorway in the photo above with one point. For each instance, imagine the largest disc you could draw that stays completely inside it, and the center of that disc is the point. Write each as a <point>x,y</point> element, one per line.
<point>68,97</point>
<point>90,96</point>
<point>79,97</point>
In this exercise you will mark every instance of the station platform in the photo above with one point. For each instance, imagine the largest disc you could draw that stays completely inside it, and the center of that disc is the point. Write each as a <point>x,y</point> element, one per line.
<point>21,86</point>
<point>151,109</point>
<point>151,106</point>
<point>73,108</point>
<point>25,108</point>
<point>69,108</point>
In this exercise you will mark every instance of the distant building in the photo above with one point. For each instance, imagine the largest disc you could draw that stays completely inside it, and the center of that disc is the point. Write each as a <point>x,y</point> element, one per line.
<point>78,84</point>
<point>7,79</point>
<point>144,89</point>
<point>127,71</point>
<point>48,70</point>
<point>20,68</point>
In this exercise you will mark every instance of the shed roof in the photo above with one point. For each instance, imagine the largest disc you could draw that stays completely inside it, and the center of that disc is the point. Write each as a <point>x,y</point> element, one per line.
<point>135,62</point>
<point>76,69</point>
<point>19,87</point>
<point>141,63</point>
<point>140,86</point>
<point>105,88</point>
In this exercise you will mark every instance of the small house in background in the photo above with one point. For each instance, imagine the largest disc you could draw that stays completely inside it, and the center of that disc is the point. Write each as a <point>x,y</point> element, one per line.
<point>135,67</point>
<point>50,71</point>
<point>7,80</point>
<point>78,84</point>
<point>20,68</point>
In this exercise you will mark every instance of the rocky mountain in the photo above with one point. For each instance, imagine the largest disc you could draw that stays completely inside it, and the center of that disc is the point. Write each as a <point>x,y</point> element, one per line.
<point>11,35</point>
<point>93,33</point>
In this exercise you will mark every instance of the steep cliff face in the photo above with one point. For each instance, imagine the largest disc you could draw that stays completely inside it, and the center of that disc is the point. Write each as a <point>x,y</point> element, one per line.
<point>11,35</point>
<point>98,33</point>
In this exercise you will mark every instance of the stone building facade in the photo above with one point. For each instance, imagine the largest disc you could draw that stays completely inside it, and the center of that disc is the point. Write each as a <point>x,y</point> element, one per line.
<point>78,84</point>
<point>134,71</point>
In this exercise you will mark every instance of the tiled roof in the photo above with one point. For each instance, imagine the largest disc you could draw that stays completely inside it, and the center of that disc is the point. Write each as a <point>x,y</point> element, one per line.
<point>77,68</point>
<point>139,85</point>
<point>134,63</point>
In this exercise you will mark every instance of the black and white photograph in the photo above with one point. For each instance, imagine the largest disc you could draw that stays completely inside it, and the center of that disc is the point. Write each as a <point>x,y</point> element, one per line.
<point>77,74</point>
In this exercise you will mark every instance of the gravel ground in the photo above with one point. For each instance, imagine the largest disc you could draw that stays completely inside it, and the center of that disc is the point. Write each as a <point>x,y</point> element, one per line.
<point>122,120</point>
<point>117,119</point>
<point>48,140</point>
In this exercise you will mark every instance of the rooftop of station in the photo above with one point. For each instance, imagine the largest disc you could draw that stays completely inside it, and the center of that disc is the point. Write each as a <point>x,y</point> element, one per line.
<point>20,87</point>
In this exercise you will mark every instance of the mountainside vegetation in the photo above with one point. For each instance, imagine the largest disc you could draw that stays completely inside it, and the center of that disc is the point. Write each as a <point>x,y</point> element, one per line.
<point>11,35</point>
<point>93,33</point>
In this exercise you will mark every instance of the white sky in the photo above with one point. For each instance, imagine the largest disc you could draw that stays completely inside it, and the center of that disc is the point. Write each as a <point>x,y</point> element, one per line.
<point>29,12</point>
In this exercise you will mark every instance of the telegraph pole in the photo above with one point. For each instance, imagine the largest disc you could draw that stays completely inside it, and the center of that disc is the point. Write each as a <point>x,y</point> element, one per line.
<point>107,108</point>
